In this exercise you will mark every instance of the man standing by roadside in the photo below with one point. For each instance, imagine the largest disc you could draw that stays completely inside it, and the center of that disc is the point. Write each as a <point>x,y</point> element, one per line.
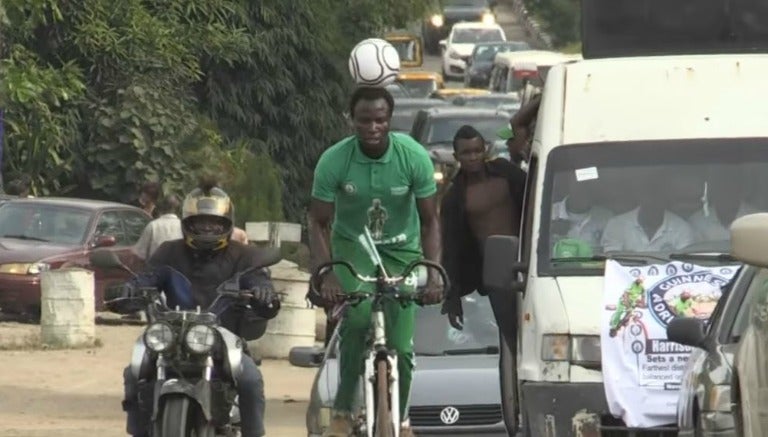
<point>486,198</point>
<point>166,227</point>
<point>148,196</point>
<point>384,182</point>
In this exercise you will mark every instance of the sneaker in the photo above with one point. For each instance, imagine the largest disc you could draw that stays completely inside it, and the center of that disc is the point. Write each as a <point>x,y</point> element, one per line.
<point>340,426</point>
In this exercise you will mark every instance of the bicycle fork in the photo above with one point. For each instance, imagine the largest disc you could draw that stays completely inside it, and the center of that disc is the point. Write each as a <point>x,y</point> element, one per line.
<point>377,353</point>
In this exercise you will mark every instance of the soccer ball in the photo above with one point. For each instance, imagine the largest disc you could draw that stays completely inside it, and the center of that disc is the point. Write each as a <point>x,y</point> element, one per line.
<point>374,62</point>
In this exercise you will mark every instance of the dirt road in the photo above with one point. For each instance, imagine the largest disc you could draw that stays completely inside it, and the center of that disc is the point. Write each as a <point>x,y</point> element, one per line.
<point>77,393</point>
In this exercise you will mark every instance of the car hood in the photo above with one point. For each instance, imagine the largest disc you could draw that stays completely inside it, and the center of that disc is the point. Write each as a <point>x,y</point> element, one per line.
<point>463,49</point>
<point>20,251</point>
<point>467,379</point>
<point>470,379</point>
<point>463,11</point>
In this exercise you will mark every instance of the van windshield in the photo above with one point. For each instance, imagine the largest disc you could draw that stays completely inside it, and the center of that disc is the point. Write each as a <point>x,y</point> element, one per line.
<point>646,200</point>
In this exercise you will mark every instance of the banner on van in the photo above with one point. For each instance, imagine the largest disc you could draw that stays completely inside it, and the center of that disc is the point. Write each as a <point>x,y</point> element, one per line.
<point>642,370</point>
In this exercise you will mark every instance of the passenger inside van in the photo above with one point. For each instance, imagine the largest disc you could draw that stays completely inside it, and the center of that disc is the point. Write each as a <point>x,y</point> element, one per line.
<point>578,216</point>
<point>724,204</point>
<point>650,227</point>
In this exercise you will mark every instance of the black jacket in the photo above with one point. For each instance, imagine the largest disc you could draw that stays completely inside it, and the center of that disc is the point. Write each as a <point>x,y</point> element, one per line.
<point>462,255</point>
<point>206,273</point>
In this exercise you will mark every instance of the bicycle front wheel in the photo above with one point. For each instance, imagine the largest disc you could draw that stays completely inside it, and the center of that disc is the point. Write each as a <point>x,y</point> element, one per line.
<point>383,425</point>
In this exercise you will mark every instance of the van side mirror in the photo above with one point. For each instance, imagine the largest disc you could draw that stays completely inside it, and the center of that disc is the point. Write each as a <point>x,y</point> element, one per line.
<point>688,331</point>
<point>499,271</point>
<point>443,44</point>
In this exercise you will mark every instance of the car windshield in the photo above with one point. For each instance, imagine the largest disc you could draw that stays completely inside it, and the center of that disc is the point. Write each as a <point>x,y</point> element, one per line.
<point>435,336</point>
<point>419,87</point>
<point>443,129</point>
<point>476,35</point>
<point>37,222</point>
<point>487,53</point>
<point>646,201</point>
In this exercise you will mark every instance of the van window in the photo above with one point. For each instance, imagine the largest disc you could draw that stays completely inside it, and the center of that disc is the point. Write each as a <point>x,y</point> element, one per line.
<point>649,198</point>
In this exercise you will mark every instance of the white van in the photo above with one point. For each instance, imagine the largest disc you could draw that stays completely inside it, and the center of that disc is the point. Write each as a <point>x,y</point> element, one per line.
<point>510,68</point>
<point>669,130</point>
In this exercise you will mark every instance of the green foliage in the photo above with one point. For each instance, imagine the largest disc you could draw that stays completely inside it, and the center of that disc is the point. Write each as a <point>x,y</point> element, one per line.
<point>258,192</point>
<point>41,119</point>
<point>561,19</point>
<point>106,95</point>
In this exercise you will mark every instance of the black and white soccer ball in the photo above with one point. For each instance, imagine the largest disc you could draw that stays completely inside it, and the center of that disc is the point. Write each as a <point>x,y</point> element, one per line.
<point>374,62</point>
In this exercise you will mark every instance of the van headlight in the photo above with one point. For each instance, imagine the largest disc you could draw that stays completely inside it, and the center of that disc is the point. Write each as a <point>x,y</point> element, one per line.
<point>158,337</point>
<point>200,339</point>
<point>585,350</point>
<point>554,347</point>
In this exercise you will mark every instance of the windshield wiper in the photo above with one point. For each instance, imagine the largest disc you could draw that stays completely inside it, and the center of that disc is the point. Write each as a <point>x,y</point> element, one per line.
<point>489,350</point>
<point>626,257</point>
<point>716,257</point>
<point>26,237</point>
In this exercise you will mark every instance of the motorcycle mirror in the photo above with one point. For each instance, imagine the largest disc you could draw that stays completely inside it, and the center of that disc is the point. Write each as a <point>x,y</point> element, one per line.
<point>106,259</point>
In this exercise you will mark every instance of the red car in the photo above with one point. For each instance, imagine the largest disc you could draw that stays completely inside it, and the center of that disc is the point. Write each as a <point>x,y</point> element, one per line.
<point>37,234</point>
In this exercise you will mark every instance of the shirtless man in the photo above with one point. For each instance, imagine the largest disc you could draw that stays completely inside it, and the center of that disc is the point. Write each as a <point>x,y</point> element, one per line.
<point>485,199</point>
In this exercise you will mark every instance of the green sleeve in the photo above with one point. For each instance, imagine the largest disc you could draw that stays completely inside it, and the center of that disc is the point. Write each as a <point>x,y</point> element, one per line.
<point>423,175</point>
<point>325,183</point>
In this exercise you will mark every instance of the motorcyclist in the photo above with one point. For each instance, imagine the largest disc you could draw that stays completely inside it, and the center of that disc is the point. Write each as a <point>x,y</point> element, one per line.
<point>208,257</point>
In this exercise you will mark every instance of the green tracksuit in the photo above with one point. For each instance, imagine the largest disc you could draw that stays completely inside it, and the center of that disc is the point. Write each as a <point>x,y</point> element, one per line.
<point>379,194</point>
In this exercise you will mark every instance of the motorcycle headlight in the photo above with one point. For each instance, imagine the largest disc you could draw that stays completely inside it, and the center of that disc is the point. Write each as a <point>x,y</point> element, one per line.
<point>437,20</point>
<point>158,337</point>
<point>488,18</point>
<point>200,339</point>
<point>439,176</point>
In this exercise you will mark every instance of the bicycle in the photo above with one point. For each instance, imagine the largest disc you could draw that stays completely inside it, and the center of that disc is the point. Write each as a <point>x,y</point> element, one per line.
<point>380,375</point>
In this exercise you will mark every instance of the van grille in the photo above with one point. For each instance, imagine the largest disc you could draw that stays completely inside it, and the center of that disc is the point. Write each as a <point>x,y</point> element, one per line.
<point>469,415</point>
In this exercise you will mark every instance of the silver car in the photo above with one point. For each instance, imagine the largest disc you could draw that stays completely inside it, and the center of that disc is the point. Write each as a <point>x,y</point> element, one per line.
<point>704,406</point>
<point>455,384</point>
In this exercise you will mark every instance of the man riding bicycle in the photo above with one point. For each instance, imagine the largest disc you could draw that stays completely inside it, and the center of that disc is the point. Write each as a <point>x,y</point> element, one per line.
<point>383,181</point>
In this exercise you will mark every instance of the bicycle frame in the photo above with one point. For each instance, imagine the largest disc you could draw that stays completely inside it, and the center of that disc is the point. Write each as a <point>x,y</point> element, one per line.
<point>387,287</point>
<point>377,352</point>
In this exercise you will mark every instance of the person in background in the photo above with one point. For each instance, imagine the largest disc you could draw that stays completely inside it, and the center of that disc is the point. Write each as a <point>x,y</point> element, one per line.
<point>148,197</point>
<point>650,227</point>
<point>725,204</point>
<point>485,198</point>
<point>239,235</point>
<point>164,228</point>
<point>21,186</point>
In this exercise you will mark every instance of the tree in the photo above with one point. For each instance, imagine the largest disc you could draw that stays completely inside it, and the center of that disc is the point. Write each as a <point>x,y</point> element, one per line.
<point>102,95</point>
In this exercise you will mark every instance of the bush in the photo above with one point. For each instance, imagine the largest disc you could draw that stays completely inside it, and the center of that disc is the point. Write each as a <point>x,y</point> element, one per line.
<point>561,19</point>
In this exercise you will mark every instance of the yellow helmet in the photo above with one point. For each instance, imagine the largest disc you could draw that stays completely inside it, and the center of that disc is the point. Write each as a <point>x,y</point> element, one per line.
<point>207,218</point>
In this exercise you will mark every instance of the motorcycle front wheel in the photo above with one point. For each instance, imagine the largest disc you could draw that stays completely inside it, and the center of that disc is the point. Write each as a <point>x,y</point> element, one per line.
<point>181,417</point>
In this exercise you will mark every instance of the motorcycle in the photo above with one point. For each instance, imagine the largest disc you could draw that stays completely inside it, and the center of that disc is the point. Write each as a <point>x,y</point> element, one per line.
<point>186,362</point>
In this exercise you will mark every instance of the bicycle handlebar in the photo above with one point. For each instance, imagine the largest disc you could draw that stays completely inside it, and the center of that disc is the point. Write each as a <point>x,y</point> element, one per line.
<point>323,269</point>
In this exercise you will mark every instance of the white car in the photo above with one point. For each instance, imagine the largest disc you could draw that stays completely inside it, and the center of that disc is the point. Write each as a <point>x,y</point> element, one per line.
<point>460,43</point>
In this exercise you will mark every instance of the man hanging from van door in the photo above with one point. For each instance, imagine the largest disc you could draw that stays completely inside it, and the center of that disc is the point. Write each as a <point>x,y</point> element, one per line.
<point>486,198</point>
